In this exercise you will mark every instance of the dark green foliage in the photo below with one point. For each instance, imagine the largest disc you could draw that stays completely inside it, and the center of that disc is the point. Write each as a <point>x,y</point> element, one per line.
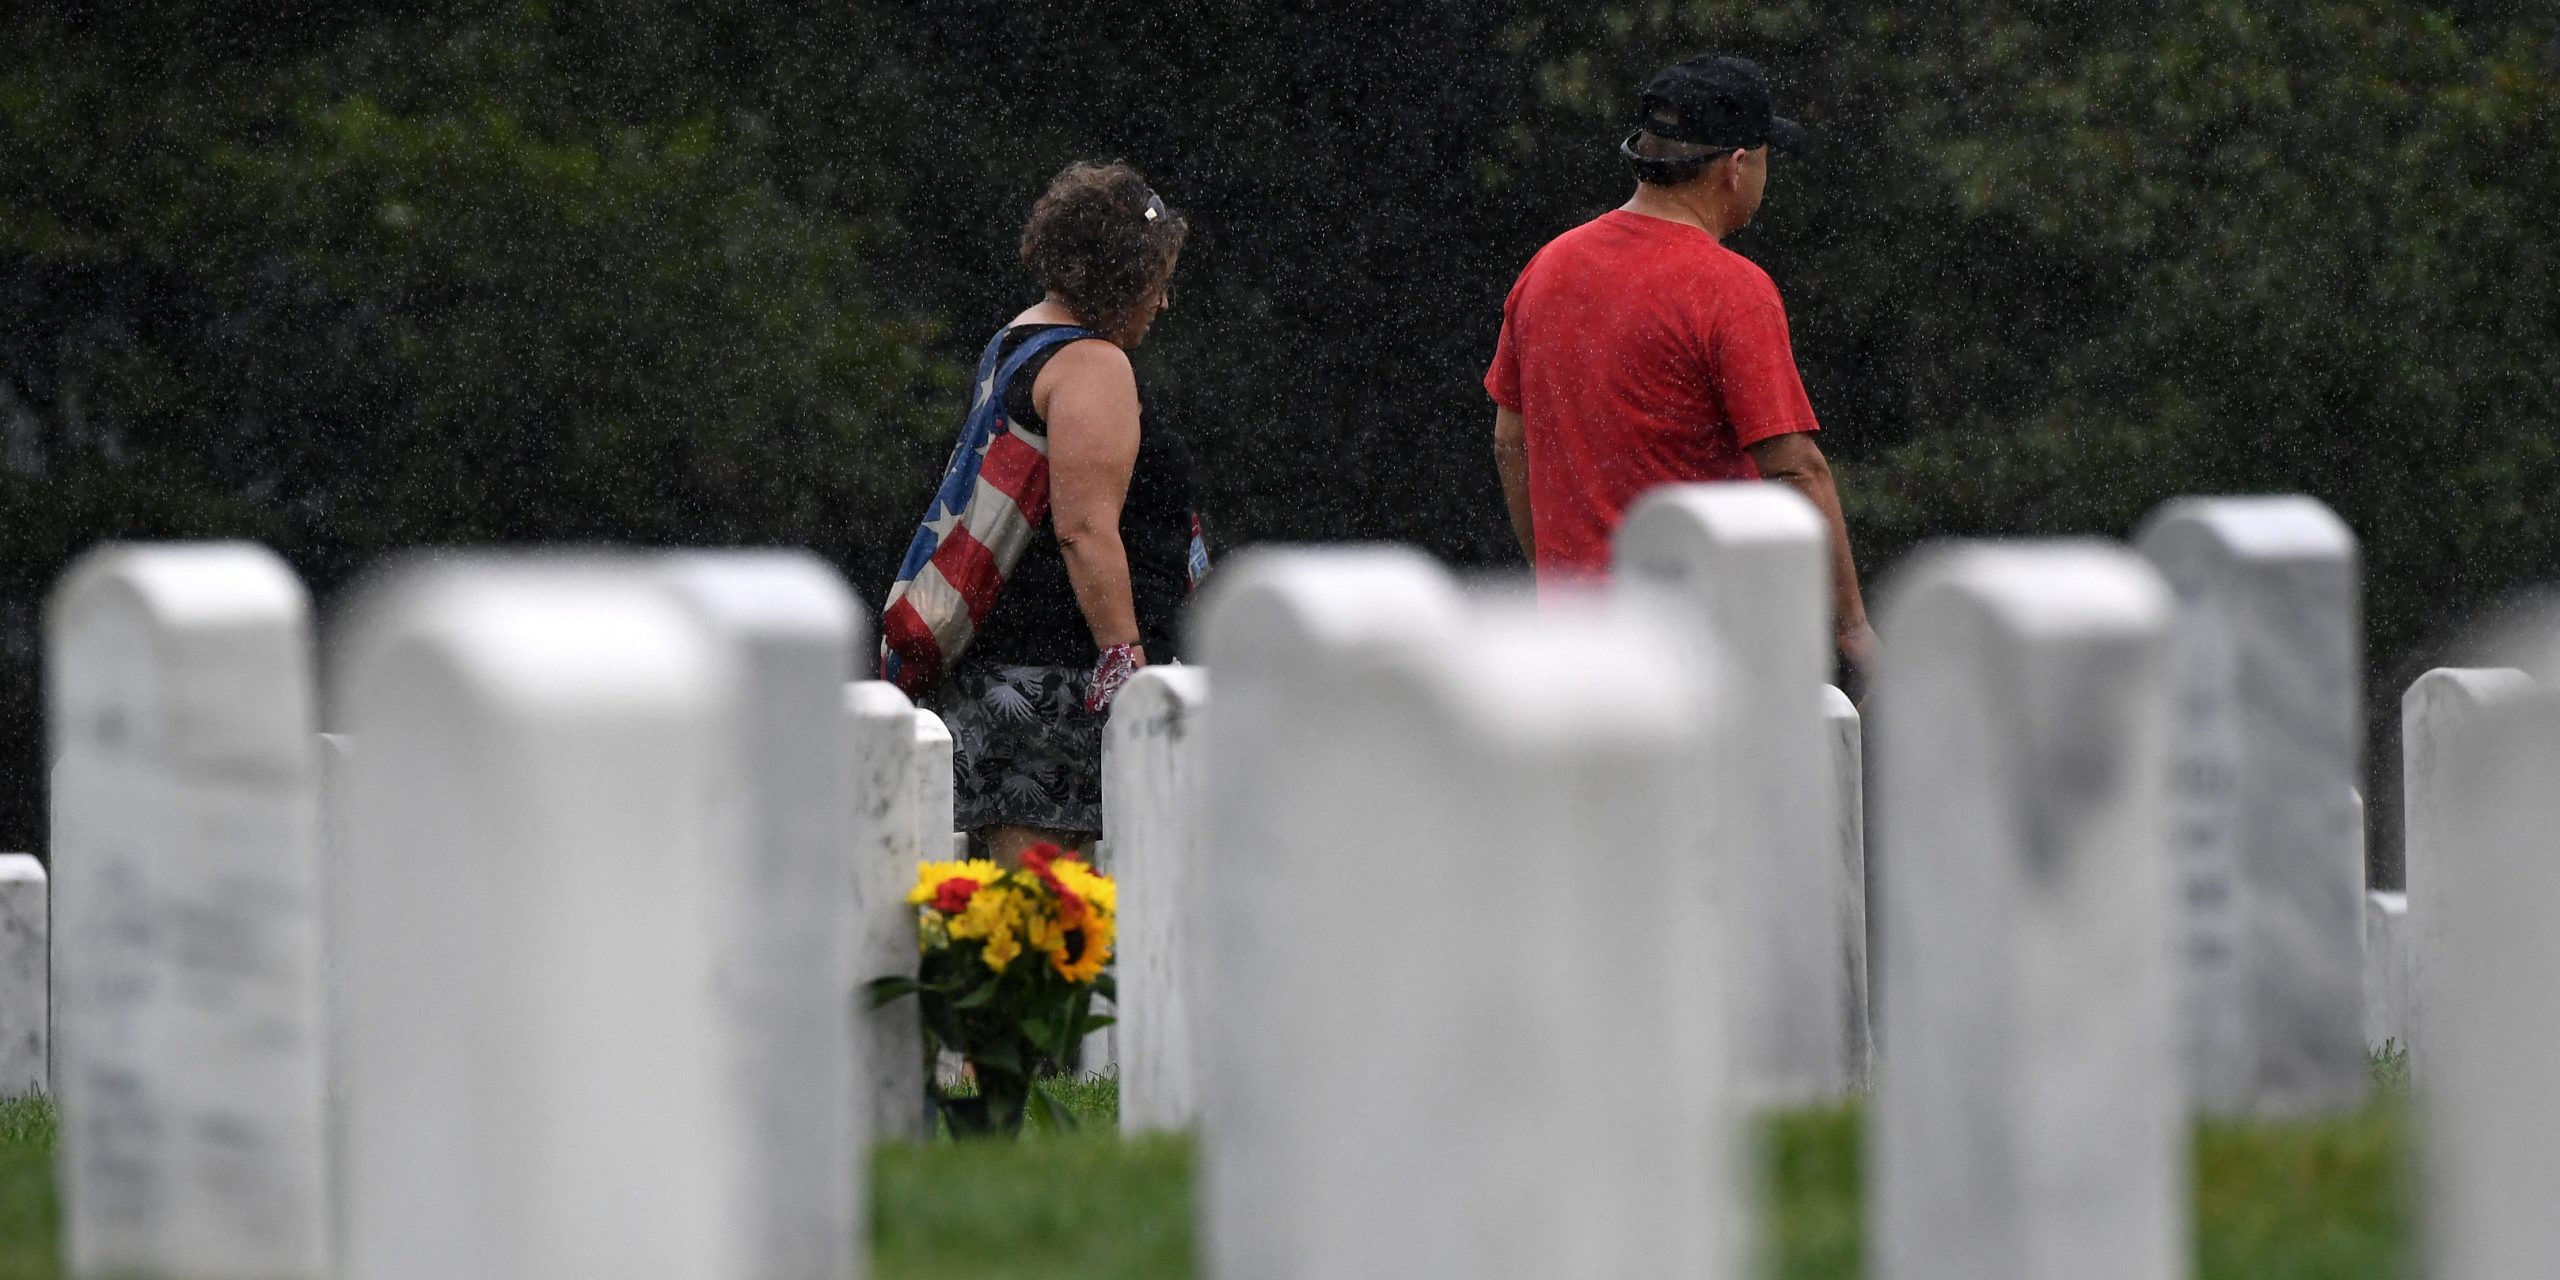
<point>356,281</point>
<point>347,278</point>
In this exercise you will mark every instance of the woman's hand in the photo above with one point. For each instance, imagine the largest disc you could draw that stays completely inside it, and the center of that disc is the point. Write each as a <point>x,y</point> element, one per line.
<point>1110,671</point>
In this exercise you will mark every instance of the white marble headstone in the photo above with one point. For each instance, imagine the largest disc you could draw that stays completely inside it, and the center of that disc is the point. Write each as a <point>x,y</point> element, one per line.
<point>936,807</point>
<point>2490,1040</point>
<point>1843,731</point>
<point>26,995</point>
<point>2447,718</point>
<point>537,1074</point>
<point>1754,559</point>
<point>779,909</point>
<point>2267,657</point>
<point>1151,778</point>
<point>186,915</point>
<point>893,834</point>
<point>2027,1122</point>
<point>1461,1024</point>
<point>2386,971</point>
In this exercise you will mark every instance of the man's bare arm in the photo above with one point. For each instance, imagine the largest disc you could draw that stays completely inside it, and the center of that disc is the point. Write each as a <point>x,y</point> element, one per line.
<point>1796,460</point>
<point>1511,458</point>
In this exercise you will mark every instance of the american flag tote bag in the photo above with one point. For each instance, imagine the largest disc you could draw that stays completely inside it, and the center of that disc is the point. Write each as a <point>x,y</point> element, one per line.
<point>994,493</point>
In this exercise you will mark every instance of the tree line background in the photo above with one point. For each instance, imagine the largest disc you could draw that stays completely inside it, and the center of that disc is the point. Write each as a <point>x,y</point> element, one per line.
<point>346,277</point>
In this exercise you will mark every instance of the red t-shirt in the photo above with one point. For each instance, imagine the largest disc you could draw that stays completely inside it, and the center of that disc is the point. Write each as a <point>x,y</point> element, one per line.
<point>1638,352</point>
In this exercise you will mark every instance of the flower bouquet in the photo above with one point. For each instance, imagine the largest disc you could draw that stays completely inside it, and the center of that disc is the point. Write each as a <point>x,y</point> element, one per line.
<point>1011,962</point>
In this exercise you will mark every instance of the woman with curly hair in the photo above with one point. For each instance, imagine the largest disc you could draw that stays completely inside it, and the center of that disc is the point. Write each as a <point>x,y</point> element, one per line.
<point>1087,580</point>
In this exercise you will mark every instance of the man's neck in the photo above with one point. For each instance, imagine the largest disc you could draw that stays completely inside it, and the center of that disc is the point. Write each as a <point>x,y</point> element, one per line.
<point>1670,205</point>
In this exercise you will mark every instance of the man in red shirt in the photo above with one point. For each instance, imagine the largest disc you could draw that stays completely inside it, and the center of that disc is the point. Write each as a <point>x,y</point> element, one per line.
<point>1637,350</point>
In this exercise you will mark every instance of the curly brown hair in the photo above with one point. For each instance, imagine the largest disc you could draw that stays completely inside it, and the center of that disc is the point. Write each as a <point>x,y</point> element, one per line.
<point>1091,242</point>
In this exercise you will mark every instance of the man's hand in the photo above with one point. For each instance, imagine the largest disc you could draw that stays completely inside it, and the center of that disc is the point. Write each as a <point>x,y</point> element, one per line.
<point>1794,459</point>
<point>1859,649</point>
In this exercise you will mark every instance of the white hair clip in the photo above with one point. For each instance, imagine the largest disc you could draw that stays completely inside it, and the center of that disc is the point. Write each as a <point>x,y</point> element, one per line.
<point>1155,206</point>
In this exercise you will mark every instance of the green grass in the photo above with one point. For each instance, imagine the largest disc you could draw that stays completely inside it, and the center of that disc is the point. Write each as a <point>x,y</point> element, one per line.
<point>2317,1200</point>
<point>1053,1206</point>
<point>26,1189</point>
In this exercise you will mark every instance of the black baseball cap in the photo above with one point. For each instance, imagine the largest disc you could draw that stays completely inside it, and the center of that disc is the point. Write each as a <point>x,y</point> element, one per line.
<point>1717,101</point>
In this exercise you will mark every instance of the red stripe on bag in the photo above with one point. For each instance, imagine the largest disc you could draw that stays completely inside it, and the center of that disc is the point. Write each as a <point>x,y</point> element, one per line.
<point>919,654</point>
<point>1021,473</point>
<point>971,570</point>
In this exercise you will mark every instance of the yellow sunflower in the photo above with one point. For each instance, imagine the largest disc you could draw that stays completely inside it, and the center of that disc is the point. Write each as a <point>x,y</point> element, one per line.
<point>1081,952</point>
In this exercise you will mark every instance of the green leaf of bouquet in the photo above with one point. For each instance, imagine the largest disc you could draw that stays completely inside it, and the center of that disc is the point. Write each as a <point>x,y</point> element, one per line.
<point>998,1058</point>
<point>1105,986</point>
<point>1039,1030</point>
<point>977,999</point>
<point>1094,1022</point>
<point>1057,1115</point>
<point>881,991</point>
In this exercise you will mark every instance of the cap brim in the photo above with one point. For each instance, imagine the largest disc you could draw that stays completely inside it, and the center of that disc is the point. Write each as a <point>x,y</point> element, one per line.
<point>1787,136</point>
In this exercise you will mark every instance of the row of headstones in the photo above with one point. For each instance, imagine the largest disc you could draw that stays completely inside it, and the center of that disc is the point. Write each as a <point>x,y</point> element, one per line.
<point>2265,828</point>
<point>1436,860</point>
<point>509,702</point>
<point>546,966</point>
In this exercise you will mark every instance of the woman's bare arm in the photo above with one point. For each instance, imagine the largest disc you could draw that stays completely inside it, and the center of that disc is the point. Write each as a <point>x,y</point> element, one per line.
<point>1088,395</point>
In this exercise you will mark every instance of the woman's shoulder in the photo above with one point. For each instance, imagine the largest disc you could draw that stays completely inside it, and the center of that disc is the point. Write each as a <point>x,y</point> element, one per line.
<point>1088,360</point>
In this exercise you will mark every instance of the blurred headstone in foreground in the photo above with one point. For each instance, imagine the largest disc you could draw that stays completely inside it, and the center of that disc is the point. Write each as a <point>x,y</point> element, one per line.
<point>2483,899</point>
<point>1460,1010</point>
<point>533,1046</point>
<point>776,900</point>
<point>186,926</point>
<point>1753,559</point>
<point>2027,1122</point>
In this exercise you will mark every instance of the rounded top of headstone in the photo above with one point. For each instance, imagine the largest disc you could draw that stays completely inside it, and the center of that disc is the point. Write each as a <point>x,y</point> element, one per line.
<point>20,867</point>
<point>1672,525</point>
<point>876,698</point>
<point>2475,685</point>
<point>1730,510</point>
<point>1163,685</point>
<point>2059,587</point>
<point>2271,526</point>
<point>1590,670</point>
<point>1271,603</point>
<point>190,584</point>
<point>535,631</point>
<point>769,591</point>
<point>930,730</point>
<point>1836,704</point>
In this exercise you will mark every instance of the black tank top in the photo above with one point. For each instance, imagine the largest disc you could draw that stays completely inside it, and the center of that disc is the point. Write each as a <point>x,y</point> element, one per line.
<point>1036,621</point>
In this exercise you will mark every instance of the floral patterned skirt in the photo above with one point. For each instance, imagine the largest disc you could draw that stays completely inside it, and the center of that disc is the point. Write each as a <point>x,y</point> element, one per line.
<point>1024,751</point>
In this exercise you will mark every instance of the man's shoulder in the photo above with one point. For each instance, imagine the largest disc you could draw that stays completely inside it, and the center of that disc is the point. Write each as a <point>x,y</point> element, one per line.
<point>1567,246</point>
<point>1741,275</point>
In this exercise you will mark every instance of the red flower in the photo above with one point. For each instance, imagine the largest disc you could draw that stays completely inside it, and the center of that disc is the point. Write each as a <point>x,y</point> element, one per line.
<point>951,897</point>
<point>1071,908</point>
